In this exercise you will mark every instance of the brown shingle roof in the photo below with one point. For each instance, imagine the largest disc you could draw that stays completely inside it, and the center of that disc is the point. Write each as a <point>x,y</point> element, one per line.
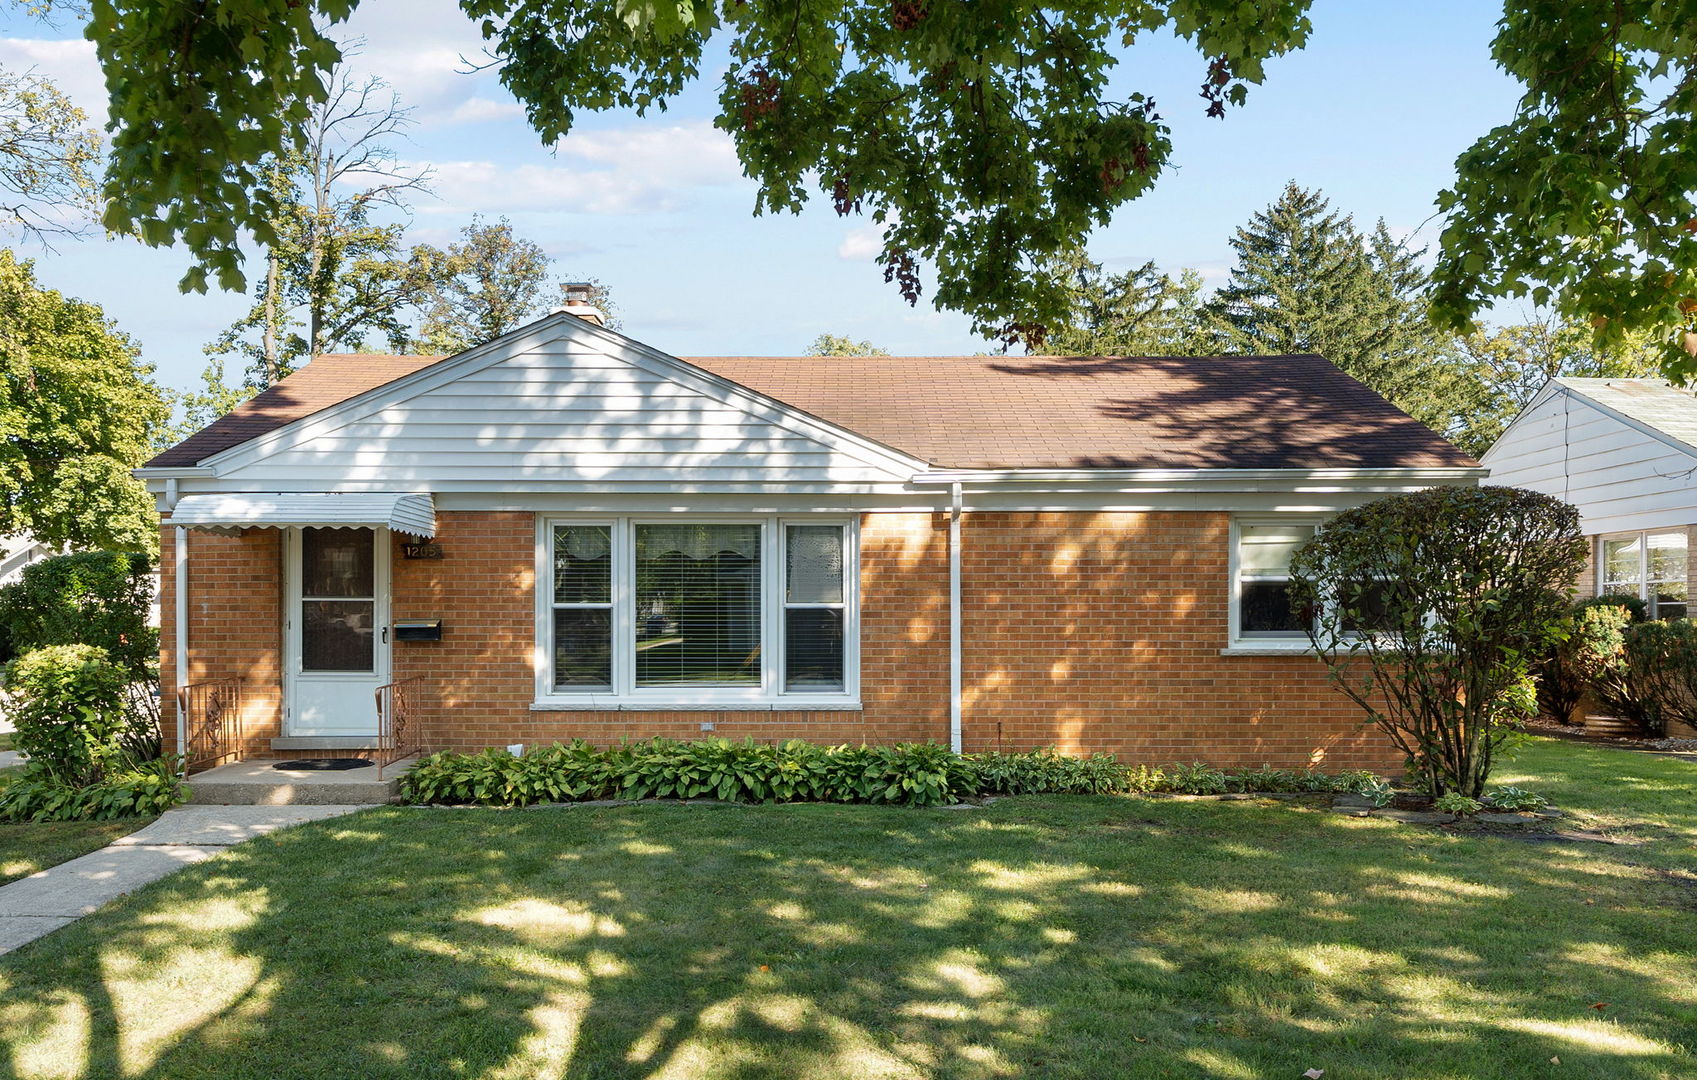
<point>1003,412</point>
<point>1052,412</point>
<point>328,380</point>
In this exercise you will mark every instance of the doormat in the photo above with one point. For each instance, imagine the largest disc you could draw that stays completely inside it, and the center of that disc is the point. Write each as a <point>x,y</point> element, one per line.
<point>322,764</point>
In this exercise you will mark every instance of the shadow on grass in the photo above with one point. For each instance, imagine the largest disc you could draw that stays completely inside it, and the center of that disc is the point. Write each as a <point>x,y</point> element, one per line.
<point>1060,937</point>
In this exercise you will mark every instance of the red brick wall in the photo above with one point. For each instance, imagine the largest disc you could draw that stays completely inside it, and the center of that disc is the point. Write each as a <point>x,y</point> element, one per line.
<point>1084,631</point>
<point>235,625</point>
<point>1103,631</point>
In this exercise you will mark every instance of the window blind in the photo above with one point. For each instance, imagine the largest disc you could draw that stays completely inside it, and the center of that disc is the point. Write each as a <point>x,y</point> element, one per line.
<point>583,607</point>
<point>697,605</point>
<point>813,607</point>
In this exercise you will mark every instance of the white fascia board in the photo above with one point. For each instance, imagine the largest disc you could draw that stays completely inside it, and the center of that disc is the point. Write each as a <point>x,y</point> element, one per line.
<point>542,331</point>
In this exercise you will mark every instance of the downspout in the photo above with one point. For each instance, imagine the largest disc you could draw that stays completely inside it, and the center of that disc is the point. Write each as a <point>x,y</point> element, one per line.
<point>180,620</point>
<point>954,619</point>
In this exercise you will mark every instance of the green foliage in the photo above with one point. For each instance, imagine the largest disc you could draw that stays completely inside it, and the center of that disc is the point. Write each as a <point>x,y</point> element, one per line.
<point>1141,312</point>
<point>79,410</point>
<point>1046,772</point>
<point>48,153</point>
<point>843,345</point>
<point>1597,655</point>
<point>139,790</point>
<point>1585,198</point>
<point>1456,803</point>
<point>1661,658</point>
<point>910,774</point>
<point>982,137</point>
<point>1515,799</point>
<point>100,598</point>
<point>488,283</point>
<point>1308,281</point>
<point>1432,609</point>
<point>68,702</point>
<point>1590,651</point>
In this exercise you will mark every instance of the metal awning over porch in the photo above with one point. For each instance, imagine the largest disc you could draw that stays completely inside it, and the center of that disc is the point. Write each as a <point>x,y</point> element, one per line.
<point>413,513</point>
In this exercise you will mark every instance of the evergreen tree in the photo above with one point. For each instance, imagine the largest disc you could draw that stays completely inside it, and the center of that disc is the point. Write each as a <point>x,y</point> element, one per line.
<point>1308,281</point>
<point>1139,313</point>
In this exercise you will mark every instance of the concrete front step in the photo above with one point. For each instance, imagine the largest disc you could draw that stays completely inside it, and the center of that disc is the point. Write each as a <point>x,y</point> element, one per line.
<point>256,783</point>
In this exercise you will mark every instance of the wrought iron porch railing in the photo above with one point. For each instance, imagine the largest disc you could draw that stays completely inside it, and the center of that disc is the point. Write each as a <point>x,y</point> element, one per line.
<point>398,728</point>
<point>212,722</point>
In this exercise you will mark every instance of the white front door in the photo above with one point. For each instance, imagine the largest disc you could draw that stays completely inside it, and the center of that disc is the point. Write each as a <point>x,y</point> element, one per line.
<point>336,630</point>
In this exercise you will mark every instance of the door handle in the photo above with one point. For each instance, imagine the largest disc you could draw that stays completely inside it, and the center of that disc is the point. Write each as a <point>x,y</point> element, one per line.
<point>385,635</point>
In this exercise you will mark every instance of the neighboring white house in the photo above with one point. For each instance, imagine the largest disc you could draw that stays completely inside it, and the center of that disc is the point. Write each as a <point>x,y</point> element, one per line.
<point>1624,451</point>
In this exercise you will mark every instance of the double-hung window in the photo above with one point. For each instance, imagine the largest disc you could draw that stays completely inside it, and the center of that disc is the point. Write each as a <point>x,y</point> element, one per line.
<point>1649,565</point>
<point>684,611</point>
<point>1262,616</point>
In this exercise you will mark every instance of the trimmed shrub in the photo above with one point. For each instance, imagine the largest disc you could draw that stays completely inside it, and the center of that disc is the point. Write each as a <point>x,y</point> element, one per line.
<point>911,774</point>
<point>1597,652</point>
<point>68,704</point>
<point>39,795</point>
<point>1661,674</point>
<point>1429,609</point>
<point>100,598</point>
<point>1590,626</point>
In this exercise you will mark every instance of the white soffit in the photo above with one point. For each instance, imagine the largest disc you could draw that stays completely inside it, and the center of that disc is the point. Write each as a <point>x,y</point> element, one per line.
<point>404,512</point>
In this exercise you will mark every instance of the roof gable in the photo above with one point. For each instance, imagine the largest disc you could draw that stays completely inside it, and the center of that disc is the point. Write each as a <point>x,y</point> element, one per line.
<point>558,403</point>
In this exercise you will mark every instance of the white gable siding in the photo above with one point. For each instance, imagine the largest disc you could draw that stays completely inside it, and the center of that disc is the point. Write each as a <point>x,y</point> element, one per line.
<point>1619,476</point>
<point>568,411</point>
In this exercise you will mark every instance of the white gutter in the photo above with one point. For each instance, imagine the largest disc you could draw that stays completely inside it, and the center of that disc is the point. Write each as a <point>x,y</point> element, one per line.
<point>180,564</point>
<point>954,620</point>
<point>1188,476</point>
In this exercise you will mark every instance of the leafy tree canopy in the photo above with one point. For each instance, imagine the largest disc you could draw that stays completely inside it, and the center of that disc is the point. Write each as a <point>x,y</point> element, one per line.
<point>488,283</point>
<point>980,135</point>
<point>843,345</point>
<point>48,157</point>
<point>77,411</point>
<point>1585,198</point>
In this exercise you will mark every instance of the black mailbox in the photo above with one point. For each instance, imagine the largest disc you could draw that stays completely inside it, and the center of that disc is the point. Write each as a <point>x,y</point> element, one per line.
<point>418,629</point>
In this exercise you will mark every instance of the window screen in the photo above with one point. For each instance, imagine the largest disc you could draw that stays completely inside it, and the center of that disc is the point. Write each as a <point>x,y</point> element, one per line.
<point>813,607</point>
<point>338,600</point>
<point>583,607</point>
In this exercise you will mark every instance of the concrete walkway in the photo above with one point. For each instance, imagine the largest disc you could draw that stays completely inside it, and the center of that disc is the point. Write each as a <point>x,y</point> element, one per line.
<point>60,895</point>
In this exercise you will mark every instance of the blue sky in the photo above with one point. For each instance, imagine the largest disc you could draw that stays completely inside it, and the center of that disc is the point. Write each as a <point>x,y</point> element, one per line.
<point>1373,112</point>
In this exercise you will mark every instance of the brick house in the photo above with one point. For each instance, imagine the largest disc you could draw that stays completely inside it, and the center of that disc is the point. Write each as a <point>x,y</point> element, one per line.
<point>565,533</point>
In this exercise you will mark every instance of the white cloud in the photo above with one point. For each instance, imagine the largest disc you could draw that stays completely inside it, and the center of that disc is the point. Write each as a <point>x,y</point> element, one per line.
<point>636,170</point>
<point>861,244</point>
<point>70,65</point>
<point>482,110</point>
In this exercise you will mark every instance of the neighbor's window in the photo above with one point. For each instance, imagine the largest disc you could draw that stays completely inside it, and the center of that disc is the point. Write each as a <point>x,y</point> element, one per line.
<point>702,610</point>
<point>1648,565</point>
<point>1263,581</point>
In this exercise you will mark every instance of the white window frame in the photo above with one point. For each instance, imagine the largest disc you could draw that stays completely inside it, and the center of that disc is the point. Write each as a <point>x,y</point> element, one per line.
<point>1252,646</point>
<point>1600,556</point>
<point>625,694</point>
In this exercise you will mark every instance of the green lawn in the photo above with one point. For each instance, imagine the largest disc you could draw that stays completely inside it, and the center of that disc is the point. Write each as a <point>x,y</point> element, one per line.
<point>1052,937</point>
<point>24,849</point>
